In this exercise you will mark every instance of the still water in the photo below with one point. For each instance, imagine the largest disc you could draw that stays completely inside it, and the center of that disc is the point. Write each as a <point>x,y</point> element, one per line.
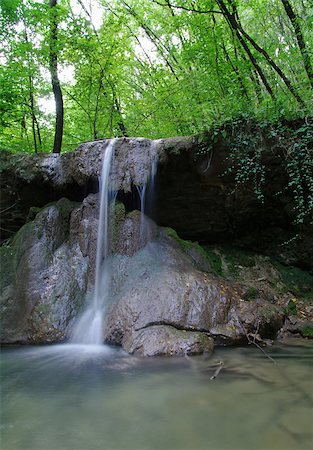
<point>69,397</point>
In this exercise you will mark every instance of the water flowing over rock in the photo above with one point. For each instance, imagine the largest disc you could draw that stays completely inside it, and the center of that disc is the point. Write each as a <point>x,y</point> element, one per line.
<point>195,196</point>
<point>160,293</point>
<point>157,289</point>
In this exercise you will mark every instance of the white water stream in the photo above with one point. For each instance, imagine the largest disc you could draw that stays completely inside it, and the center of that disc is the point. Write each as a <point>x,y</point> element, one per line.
<point>89,327</point>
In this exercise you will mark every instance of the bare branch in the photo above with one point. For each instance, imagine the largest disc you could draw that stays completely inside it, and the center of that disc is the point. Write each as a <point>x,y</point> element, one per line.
<point>199,11</point>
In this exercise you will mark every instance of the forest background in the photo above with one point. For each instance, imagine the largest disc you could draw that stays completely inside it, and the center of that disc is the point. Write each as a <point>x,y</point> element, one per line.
<point>78,70</point>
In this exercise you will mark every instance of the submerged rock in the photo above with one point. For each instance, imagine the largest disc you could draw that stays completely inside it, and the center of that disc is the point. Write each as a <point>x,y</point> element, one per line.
<point>160,340</point>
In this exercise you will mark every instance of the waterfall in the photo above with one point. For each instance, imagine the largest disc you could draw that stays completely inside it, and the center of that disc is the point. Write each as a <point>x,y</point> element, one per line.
<point>89,328</point>
<point>146,194</point>
<point>142,195</point>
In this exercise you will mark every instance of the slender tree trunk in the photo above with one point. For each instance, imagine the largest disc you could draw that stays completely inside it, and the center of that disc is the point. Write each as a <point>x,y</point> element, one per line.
<point>32,108</point>
<point>120,122</point>
<point>56,86</point>
<point>38,132</point>
<point>35,126</point>
<point>235,26</point>
<point>304,51</point>
<point>233,20</point>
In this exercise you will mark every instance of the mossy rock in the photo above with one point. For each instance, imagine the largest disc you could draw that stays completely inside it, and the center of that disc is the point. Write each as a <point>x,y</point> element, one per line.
<point>297,281</point>
<point>307,330</point>
<point>251,294</point>
<point>207,259</point>
<point>7,266</point>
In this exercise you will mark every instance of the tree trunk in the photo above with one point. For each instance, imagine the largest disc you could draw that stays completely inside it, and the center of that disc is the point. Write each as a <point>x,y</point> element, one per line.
<point>304,51</point>
<point>235,26</point>
<point>56,86</point>
<point>232,19</point>
<point>120,121</point>
<point>32,107</point>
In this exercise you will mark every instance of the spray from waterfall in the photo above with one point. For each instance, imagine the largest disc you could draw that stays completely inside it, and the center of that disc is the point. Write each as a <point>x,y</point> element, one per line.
<point>146,194</point>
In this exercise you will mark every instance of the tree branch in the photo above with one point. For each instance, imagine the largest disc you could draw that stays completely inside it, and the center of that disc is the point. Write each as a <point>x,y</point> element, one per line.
<point>199,11</point>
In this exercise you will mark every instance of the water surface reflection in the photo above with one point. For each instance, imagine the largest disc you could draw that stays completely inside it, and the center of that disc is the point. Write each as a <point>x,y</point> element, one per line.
<point>86,398</point>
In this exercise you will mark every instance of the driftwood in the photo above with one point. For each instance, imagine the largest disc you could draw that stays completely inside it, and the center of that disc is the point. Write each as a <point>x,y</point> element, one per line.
<point>220,366</point>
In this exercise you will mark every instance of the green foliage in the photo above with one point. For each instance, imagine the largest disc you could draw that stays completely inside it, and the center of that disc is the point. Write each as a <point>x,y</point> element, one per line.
<point>248,141</point>
<point>307,331</point>
<point>152,70</point>
<point>251,294</point>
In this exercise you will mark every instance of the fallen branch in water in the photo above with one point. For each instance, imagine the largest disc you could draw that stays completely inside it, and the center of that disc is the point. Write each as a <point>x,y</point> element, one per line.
<point>254,338</point>
<point>217,371</point>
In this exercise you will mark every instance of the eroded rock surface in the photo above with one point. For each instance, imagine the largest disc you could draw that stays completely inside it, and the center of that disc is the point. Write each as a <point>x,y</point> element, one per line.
<point>37,296</point>
<point>160,288</point>
<point>196,193</point>
<point>158,340</point>
<point>162,302</point>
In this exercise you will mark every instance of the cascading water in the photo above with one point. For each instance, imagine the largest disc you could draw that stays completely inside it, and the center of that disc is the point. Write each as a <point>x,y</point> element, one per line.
<point>147,192</point>
<point>89,329</point>
<point>142,195</point>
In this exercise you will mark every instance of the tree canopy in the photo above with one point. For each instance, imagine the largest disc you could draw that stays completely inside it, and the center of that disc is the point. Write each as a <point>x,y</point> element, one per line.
<point>149,68</point>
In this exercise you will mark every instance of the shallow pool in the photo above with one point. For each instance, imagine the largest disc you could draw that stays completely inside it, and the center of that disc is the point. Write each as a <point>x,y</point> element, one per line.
<point>84,398</point>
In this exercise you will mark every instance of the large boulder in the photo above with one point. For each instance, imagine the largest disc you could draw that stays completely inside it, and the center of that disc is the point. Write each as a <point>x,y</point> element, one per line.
<point>164,300</point>
<point>160,291</point>
<point>45,272</point>
<point>158,340</point>
<point>48,268</point>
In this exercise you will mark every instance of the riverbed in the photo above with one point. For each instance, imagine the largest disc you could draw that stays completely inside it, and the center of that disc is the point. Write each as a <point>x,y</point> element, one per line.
<point>72,397</point>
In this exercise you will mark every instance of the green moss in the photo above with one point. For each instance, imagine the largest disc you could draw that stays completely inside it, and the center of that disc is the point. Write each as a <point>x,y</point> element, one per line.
<point>297,281</point>
<point>291,308</point>
<point>251,293</point>
<point>215,262</point>
<point>238,257</point>
<point>210,255</point>
<point>307,331</point>
<point>185,244</point>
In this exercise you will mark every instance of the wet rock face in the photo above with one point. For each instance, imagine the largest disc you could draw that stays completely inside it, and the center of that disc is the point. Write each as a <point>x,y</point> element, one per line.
<point>194,195</point>
<point>131,163</point>
<point>162,302</point>
<point>161,340</point>
<point>46,277</point>
<point>160,291</point>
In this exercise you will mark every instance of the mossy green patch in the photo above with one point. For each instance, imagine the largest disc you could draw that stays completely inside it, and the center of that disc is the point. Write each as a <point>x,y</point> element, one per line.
<point>307,331</point>
<point>297,281</point>
<point>251,293</point>
<point>185,244</point>
<point>237,257</point>
<point>210,255</point>
<point>215,261</point>
<point>291,308</point>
